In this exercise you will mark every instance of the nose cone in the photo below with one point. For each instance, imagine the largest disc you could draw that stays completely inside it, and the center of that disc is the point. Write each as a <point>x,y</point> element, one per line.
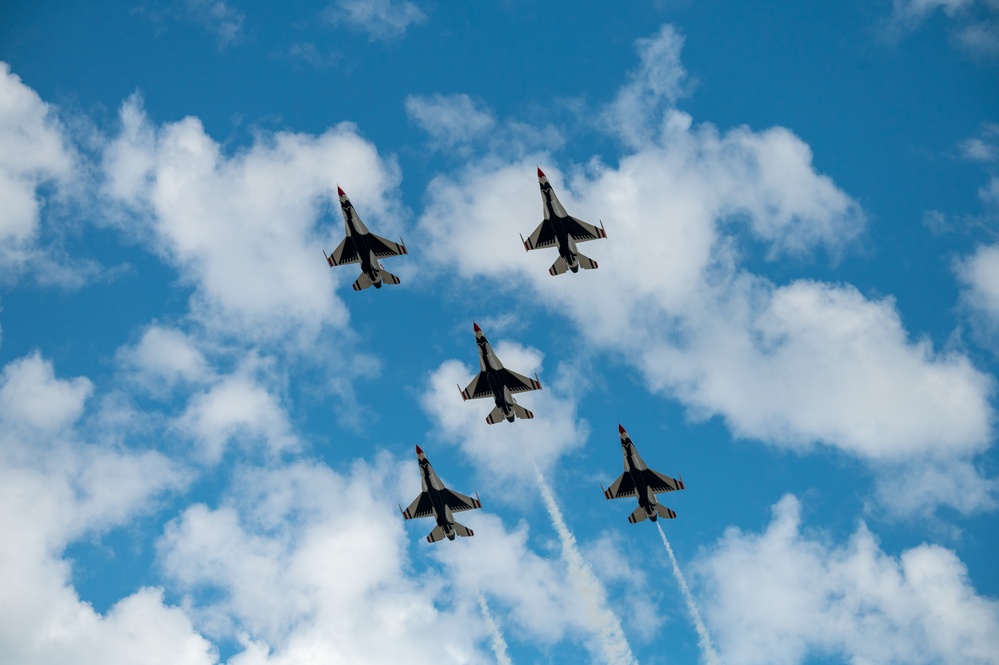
<point>475,327</point>
<point>419,451</point>
<point>620,429</point>
<point>541,174</point>
<point>340,191</point>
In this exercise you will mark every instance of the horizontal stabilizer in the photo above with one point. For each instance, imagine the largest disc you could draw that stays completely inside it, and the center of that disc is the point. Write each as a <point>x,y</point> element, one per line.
<point>521,412</point>
<point>585,262</point>
<point>436,534</point>
<point>559,267</point>
<point>665,512</point>
<point>463,530</point>
<point>362,282</point>
<point>388,278</point>
<point>496,415</point>
<point>638,516</point>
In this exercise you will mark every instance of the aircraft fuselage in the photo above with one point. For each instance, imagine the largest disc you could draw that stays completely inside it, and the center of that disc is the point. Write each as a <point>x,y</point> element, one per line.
<point>646,499</point>
<point>491,366</point>
<point>359,236</point>
<point>556,216</point>
<point>441,512</point>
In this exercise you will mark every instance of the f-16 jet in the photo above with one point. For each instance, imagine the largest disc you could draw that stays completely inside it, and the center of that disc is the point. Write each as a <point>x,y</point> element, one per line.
<point>499,383</point>
<point>364,247</point>
<point>642,482</point>
<point>440,502</point>
<point>562,230</point>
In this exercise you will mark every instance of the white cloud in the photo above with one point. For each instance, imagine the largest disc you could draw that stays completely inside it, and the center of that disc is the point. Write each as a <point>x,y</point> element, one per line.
<point>218,17</point>
<point>783,597</point>
<point>302,560</point>
<point>383,20</point>
<point>450,120</point>
<point>979,276</point>
<point>659,81</point>
<point>976,22</point>
<point>34,152</point>
<point>236,407</point>
<point>56,487</point>
<point>242,229</point>
<point>791,364</point>
<point>163,359</point>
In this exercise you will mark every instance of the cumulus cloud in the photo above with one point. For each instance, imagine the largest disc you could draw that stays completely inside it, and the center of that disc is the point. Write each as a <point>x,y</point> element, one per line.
<point>242,229</point>
<point>382,20</point>
<point>449,120</point>
<point>659,81</point>
<point>58,485</point>
<point>793,364</point>
<point>238,407</point>
<point>784,596</point>
<point>302,560</point>
<point>38,167</point>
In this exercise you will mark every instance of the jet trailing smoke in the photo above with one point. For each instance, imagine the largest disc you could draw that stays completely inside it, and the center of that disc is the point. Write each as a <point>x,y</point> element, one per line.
<point>703,639</point>
<point>599,617</point>
<point>497,642</point>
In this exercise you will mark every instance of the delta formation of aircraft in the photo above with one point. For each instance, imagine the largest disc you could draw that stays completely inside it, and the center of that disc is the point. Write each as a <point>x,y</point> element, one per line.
<point>558,229</point>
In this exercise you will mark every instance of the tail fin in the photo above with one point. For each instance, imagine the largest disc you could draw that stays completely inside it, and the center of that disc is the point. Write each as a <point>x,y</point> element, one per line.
<point>665,512</point>
<point>364,281</point>
<point>463,530</point>
<point>638,516</point>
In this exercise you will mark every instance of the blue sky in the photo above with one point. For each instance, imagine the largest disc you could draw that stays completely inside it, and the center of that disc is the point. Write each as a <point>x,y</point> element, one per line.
<point>204,432</point>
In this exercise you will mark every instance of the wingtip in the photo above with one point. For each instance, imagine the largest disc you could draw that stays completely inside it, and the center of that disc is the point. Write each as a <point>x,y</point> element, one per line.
<point>419,451</point>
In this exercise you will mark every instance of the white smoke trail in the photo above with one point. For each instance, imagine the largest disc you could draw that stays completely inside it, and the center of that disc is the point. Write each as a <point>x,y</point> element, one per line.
<point>498,643</point>
<point>601,619</point>
<point>703,639</point>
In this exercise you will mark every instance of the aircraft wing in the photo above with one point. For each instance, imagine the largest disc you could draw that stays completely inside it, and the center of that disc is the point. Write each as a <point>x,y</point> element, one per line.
<point>543,236</point>
<point>478,388</point>
<point>458,502</point>
<point>421,507</point>
<point>581,231</point>
<point>517,383</point>
<point>382,247</point>
<point>658,482</point>
<point>346,252</point>
<point>623,486</point>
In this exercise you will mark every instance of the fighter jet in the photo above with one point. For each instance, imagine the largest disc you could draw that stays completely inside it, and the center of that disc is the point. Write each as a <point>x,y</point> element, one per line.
<point>364,247</point>
<point>640,481</point>
<point>437,500</point>
<point>499,383</point>
<point>559,228</point>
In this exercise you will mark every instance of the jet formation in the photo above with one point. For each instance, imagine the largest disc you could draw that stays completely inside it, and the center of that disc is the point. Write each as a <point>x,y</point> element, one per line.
<point>557,229</point>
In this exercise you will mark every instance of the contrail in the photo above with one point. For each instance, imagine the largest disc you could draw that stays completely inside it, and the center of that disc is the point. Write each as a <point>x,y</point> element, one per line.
<point>497,642</point>
<point>703,639</point>
<point>601,619</point>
